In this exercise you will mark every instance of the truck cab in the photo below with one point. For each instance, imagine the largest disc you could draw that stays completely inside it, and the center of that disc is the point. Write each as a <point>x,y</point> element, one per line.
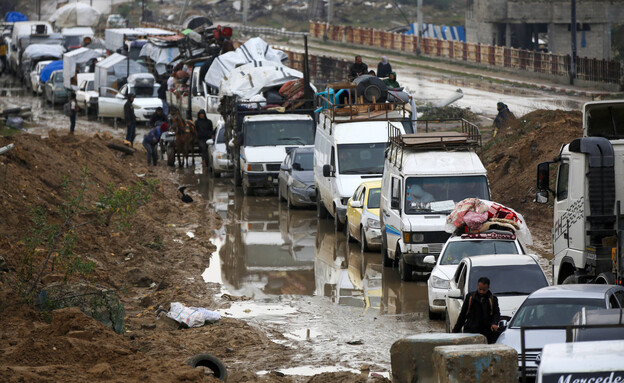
<point>425,175</point>
<point>586,234</point>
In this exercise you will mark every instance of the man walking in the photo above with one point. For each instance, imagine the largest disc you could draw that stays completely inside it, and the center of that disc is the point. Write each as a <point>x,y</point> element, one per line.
<point>480,312</point>
<point>130,119</point>
<point>73,111</point>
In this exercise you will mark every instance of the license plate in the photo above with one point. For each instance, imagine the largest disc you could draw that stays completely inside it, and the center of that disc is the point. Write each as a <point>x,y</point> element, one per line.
<point>275,180</point>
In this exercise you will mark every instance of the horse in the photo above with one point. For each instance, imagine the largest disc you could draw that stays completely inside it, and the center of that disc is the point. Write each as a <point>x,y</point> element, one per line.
<point>185,138</point>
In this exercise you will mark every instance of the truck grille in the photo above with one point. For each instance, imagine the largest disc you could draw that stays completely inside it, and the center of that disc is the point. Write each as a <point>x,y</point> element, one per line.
<point>273,167</point>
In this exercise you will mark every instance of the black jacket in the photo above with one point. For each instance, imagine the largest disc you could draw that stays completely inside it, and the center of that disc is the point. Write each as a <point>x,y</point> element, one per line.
<point>384,69</point>
<point>478,314</point>
<point>203,126</point>
<point>129,116</point>
<point>162,91</point>
<point>156,118</point>
<point>357,70</point>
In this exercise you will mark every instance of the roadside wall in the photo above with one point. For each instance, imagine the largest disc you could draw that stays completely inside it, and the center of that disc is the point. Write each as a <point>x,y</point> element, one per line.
<point>552,66</point>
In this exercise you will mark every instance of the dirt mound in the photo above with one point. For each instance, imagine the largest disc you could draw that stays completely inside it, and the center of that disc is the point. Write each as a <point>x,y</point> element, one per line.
<point>511,160</point>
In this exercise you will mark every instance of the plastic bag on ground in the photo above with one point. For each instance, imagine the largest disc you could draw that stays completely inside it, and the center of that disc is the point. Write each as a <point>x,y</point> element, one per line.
<point>191,316</point>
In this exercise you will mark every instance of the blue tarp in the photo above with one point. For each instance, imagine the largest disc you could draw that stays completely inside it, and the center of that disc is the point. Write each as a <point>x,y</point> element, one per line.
<point>442,32</point>
<point>13,17</point>
<point>51,67</point>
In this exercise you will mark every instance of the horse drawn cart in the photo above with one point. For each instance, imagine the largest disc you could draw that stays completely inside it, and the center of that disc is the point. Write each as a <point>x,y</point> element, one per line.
<point>180,140</point>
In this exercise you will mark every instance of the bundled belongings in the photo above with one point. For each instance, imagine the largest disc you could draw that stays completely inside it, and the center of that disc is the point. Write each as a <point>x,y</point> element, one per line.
<point>474,215</point>
<point>191,316</point>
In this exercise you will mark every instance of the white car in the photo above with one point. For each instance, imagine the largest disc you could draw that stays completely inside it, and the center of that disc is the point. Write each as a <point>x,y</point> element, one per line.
<point>35,84</point>
<point>555,306</point>
<point>513,277</point>
<point>86,96</point>
<point>219,161</point>
<point>457,248</point>
<point>111,102</point>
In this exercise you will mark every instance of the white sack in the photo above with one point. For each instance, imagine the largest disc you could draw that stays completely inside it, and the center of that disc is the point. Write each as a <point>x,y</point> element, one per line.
<point>75,15</point>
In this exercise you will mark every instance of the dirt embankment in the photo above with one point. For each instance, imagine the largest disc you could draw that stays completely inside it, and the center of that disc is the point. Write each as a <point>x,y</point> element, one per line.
<point>149,264</point>
<point>511,160</point>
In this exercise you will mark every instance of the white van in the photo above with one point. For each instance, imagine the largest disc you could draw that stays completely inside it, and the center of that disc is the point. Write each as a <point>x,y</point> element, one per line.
<point>591,362</point>
<point>425,175</point>
<point>349,149</point>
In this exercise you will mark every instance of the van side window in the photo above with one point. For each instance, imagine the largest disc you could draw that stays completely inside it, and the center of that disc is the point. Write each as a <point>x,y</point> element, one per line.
<point>395,191</point>
<point>562,181</point>
<point>613,302</point>
<point>332,160</point>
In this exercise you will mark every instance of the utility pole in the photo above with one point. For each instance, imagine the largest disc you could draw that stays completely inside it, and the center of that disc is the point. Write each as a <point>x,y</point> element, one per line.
<point>330,11</point>
<point>573,38</point>
<point>245,11</point>
<point>419,20</point>
<point>142,11</point>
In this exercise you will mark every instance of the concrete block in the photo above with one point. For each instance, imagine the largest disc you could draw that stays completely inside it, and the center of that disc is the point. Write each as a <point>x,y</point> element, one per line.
<point>489,363</point>
<point>411,357</point>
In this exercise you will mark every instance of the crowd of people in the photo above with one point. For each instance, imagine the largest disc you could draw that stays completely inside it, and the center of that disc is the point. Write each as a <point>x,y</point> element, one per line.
<point>384,71</point>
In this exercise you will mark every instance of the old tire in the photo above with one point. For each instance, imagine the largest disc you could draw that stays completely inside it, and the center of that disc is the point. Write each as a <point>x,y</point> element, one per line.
<point>371,87</point>
<point>212,363</point>
<point>434,316</point>
<point>405,270</point>
<point>387,262</point>
<point>321,211</point>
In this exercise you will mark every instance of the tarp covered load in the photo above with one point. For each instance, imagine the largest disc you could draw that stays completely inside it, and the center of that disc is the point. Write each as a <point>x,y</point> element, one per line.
<point>115,37</point>
<point>113,68</point>
<point>474,215</point>
<point>14,17</point>
<point>39,51</point>
<point>77,58</point>
<point>47,71</point>
<point>251,79</point>
<point>161,56</point>
<point>255,50</point>
<point>75,15</point>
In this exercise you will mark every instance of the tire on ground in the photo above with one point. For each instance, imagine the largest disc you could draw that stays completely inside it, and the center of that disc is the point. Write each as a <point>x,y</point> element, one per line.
<point>211,362</point>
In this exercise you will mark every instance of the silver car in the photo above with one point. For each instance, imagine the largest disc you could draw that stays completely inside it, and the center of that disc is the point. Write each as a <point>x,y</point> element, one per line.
<point>555,306</point>
<point>296,178</point>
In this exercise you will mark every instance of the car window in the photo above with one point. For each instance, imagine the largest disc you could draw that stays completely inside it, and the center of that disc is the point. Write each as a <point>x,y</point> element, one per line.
<point>562,181</point>
<point>90,85</point>
<point>362,195</point>
<point>357,193</point>
<point>458,272</point>
<point>552,311</point>
<point>221,136</point>
<point>462,279</point>
<point>305,161</point>
<point>613,302</point>
<point>287,159</point>
<point>619,295</point>
<point>83,85</point>
<point>456,251</point>
<point>374,198</point>
<point>509,279</point>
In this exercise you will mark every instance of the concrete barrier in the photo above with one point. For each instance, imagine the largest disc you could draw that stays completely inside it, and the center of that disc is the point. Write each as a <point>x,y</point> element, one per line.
<point>490,363</point>
<point>412,357</point>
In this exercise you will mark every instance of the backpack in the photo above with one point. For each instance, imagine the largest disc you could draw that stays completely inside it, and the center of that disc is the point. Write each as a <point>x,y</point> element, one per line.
<point>67,109</point>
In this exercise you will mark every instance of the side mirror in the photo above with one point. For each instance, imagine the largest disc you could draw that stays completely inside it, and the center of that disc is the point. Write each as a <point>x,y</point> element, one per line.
<point>455,293</point>
<point>210,141</point>
<point>355,204</point>
<point>429,260</point>
<point>394,203</point>
<point>297,166</point>
<point>284,167</point>
<point>541,196</point>
<point>327,171</point>
<point>543,176</point>
<point>502,325</point>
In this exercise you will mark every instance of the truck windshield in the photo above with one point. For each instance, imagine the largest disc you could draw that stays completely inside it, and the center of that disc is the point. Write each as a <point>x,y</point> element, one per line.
<point>282,132</point>
<point>456,251</point>
<point>361,158</point>
<point>605,121</point>
<point>553,311</point>
<point>425,195</point>
<point>90,86</point>
<point>509,280</point>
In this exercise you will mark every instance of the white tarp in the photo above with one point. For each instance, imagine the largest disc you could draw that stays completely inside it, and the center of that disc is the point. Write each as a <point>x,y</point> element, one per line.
<point>251,79</point>
<point>114,37</point>
<point>113,68</point>
<point>77,57</point>
<point>160,56</point>
<point>37,51</point>
<point>253,50</point>
<point>75,15</point>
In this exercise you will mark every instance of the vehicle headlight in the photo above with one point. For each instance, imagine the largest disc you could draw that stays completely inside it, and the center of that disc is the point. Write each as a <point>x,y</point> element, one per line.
<point>255,167</point>
<point>413,237</point>
<point>221,156</point>
<point>373,223</point>
<point>297,184</point>
<point>440,283</point>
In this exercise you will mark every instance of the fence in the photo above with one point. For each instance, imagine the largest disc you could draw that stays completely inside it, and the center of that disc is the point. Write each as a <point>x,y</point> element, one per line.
<point>270,31</point>
<point>323,70</point>
<point>488,55</point>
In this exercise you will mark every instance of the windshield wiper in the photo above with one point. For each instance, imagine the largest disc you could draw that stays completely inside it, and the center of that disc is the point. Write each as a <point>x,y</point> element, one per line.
<point>513,293</point>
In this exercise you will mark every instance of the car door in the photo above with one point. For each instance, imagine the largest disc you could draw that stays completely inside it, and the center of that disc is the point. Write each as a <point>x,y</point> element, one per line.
<point>284,174</point>
<point>111,102</point>
<point>458,282</point>
<point>352,213</point>
<point>80,94</point>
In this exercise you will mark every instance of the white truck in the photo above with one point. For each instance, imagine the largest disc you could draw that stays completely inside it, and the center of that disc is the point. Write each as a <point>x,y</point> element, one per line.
<point>424,176</point>
<point>587,231</point>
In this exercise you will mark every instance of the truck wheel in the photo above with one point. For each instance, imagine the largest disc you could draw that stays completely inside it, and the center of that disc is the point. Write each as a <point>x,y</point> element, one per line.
<point>387,262</point>
<point>605,279</point>
<point>570,280</point>
<point>337,224</point>
<point>321,211</point>
<point>405,270</point>
<point>212,363</point>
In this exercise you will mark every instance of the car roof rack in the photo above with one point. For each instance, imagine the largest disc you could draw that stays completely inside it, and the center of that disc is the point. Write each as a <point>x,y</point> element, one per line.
<point>454,134</point>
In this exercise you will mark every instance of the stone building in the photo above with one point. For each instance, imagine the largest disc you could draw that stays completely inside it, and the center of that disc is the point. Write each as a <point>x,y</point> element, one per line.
<point>544,24</point>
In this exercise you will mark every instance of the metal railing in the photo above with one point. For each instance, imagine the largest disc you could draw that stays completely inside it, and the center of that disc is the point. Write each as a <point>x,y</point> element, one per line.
<point>271,31</point>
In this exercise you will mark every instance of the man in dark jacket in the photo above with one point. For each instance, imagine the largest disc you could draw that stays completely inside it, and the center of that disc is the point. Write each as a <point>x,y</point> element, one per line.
<point>151,139</point>
<point>204,129</point>
<point>503,118</point>
<point>162,95</point>
<point>130,119</point>
<point>357,69</point>
<point>480,312</point>
<point>384,68</point>
<point>158,117</point>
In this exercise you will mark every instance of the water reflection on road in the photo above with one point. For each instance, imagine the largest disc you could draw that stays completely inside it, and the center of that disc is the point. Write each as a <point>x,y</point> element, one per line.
<point>306,280</point>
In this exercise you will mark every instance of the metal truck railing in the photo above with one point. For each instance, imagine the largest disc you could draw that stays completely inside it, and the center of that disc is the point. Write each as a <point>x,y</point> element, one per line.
<point>358,110</point>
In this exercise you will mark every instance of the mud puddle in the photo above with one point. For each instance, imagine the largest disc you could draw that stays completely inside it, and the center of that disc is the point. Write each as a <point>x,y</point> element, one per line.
<point>295,277</point>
